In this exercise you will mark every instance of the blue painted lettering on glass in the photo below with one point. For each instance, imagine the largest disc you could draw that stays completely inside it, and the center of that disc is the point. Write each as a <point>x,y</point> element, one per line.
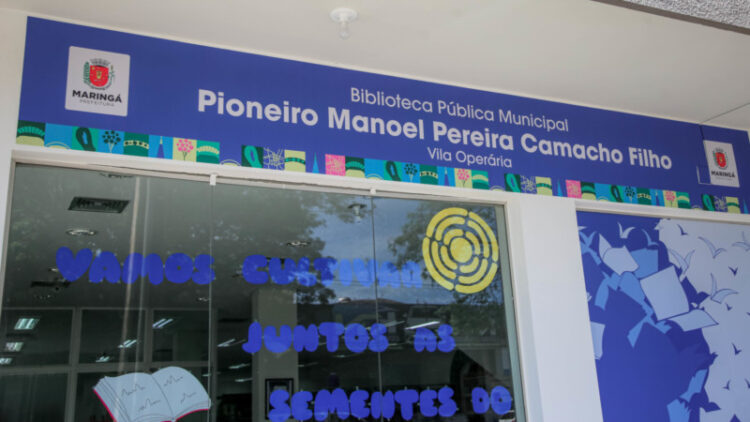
<point>427,403</point>
<point>357,339</point>
<point>178,268</point>
<point>280,410</point>
<point>256,269</point>
<point>499,399</point>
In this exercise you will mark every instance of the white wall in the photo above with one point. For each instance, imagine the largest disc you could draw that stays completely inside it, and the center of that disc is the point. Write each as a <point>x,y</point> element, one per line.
<point>555,338</point>
<point>12,40</point>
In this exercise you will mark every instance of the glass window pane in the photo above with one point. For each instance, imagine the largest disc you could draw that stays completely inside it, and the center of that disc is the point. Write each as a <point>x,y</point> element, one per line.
<point>111,336</point>
<point>447,314</point>
<point>180,335</point>
<point>278,263</point>
<point>176,297</point>
<point>35,336</point>
<point>25,398</point>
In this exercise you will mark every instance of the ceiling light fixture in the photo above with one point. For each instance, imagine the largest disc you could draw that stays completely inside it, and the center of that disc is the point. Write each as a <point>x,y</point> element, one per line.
<point>107,205</point>
<point>6,361</point>
<point>26,323</point>
<point>239,366</point>
<point>298,243</point>
<point>162,323</point>
<point>342,16</point>
<point>80,232</point>
<point>103,358</point>
<point>127,344</point>
<point>424,325</point>
<point>13,346</point>
<point>231,342</point>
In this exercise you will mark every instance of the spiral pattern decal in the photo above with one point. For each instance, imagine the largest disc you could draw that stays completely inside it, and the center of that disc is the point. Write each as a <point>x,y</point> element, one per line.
<point>460,251</point>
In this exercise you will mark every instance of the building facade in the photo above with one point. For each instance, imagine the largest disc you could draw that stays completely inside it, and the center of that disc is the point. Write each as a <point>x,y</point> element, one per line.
<point>209,234</point>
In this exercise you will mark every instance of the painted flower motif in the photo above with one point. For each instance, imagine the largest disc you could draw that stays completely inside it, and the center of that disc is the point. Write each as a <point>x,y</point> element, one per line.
<point>463,175</point>
<point>335,165</point>
<point>184,146</point>
<point>573,187</point>
<point>273,159</point>
<point>528,185</point>
<point>670,196</point>
<point>720,204</point>
<point>411,170</point>
<point>111,138</point>
<point>629,192</point>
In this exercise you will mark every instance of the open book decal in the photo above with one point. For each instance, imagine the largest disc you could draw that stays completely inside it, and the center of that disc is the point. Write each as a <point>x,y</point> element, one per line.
<point>166,395</point>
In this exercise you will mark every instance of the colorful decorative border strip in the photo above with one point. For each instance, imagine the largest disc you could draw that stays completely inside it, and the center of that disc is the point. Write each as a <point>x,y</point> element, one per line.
<point>183,149</point>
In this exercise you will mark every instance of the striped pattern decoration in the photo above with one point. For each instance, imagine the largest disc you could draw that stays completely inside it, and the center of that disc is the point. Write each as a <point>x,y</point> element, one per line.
<point>543,186</point>
<point>294,160</point>
<point>165,147</point>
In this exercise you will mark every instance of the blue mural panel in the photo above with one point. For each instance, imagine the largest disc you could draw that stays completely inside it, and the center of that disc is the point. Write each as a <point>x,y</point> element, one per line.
<point>669,303</point>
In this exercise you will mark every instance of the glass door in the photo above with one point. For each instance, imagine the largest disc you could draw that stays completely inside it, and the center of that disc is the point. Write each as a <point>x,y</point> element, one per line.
<point>139,298</point>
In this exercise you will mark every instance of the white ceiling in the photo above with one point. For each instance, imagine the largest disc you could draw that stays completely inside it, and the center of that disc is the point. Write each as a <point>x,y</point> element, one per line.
<point>730,12</point>
<point>577,51</point>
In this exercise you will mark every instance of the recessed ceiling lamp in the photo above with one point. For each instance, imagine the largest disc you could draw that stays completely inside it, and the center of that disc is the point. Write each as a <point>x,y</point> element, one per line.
<point>239,366</point>
<point>79,231</point>
<point>231,342</point>
<point>423,325</point>
<point>298,243</point>
<point>103,358</point>
<point>127,344</point>
<point>342,16</point>
<point>163,322</point>
<point>13,346</point>
<point>106,205</point>
<point>26,323</point>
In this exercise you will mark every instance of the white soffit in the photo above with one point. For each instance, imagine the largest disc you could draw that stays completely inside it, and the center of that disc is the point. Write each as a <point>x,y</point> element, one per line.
<point>576,51</point>
<point>734,13</point>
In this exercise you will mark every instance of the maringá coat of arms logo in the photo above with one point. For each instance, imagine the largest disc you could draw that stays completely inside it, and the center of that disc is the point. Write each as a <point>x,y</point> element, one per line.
<point>720,158</point>
<point>98,73</point>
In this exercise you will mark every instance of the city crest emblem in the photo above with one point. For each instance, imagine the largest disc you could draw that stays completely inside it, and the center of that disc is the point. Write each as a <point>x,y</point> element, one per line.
<point>720,158</point>
<point>98,73</point>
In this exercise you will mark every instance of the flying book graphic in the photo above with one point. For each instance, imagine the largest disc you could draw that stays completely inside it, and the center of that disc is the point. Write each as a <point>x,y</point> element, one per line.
<point>165,395</point>
<point>618,259</point>
<point>669,301</point>
<point>597,334</point>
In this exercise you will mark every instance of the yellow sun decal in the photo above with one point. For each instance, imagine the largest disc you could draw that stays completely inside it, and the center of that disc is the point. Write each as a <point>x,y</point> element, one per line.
<point>460,251</point>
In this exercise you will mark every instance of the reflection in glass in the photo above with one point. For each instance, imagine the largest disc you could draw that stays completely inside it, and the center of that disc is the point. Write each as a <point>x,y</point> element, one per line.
<point>111,336</point>
<point>287,229</point>
<point>422,318</point>
<point>32,397</point>
<point>258,291</point>
<point>180,336</point>
<point>35,336</point>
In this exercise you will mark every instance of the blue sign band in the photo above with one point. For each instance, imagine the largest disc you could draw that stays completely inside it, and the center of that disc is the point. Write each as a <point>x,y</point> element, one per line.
<point>98,90</point>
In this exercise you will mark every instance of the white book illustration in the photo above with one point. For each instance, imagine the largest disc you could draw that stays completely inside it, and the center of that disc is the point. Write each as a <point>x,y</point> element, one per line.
<point>618,259</point>
<point>664,290</point>
<point>597,334</point>
<point>166,395</point>
<point>694,320</point>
